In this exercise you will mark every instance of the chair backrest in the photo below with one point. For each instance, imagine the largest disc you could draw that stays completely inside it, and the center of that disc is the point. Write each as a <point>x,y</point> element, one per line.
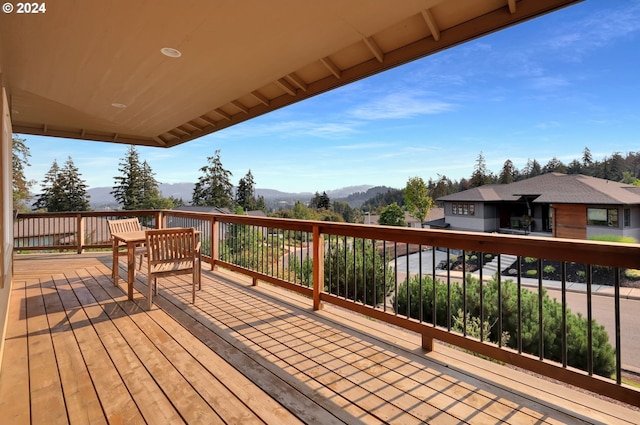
<point>171,245</point>
<point>124,225</point>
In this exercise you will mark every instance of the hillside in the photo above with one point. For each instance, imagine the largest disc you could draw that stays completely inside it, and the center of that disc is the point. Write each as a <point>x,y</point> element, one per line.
<point>101,197</point>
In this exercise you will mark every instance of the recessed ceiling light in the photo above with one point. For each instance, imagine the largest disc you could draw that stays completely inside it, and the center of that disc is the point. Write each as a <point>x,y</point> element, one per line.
<point>171,52</point>
<point>119,105</point>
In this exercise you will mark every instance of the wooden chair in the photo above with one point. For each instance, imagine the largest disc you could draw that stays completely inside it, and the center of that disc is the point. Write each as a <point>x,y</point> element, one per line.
<point>128,225</point>
<point>170,252</point>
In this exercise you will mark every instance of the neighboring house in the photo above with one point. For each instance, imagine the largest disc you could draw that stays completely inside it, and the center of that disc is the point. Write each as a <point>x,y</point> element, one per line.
<point>560,205</point>
<point>435,214</point>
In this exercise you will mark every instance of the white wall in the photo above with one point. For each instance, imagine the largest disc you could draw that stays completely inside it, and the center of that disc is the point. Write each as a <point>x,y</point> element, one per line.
<point>6,214</point>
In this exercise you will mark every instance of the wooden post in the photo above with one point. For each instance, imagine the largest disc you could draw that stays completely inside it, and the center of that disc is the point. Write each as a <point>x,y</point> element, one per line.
<point>318,267</point>
<point>427,342</point>
<point>80,233</point>
<point>215,235</point>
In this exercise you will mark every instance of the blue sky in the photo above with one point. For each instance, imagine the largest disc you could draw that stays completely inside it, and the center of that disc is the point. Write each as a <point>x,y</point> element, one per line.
<point>547,88</point>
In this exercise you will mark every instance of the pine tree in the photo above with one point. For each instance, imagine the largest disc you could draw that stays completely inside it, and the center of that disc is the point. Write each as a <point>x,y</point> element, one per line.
<point>50,198</point>
<point>74,188</point>
<point>480,175</point>
<point>508,173</point>
<point>214,187</point>
<point>245,194</point>
<point>63,189</point>
<point>129,188</point>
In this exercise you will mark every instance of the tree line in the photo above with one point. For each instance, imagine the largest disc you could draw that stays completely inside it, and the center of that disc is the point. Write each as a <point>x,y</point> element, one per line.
<point>135,187</point>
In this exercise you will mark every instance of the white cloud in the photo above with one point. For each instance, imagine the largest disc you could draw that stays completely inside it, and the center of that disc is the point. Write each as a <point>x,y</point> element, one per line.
<point>399,106</point>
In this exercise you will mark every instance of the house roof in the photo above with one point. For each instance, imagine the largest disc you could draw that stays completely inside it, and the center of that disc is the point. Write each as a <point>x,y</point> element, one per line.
<point>554,188</point>
<point>94,69</point>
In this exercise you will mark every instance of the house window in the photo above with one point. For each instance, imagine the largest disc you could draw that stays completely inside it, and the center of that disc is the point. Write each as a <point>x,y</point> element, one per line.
<point>602,217</point>
<point>627,217</point>
<point>463,208</point>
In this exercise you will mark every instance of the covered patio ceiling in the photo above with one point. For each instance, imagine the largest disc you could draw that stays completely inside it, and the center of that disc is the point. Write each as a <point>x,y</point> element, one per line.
<point>94,69</point>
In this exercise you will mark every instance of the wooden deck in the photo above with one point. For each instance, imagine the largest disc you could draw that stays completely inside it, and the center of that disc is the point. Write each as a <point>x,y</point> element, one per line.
<point>78,352</point>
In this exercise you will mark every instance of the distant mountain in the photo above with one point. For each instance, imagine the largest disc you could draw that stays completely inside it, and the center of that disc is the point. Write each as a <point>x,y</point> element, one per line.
<point>101,197</point>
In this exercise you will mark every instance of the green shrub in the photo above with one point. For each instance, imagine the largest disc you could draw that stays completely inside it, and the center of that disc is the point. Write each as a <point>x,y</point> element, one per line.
<point>531,273</point>
<point>549,269</point>
<point>613,238</point>
<point>488,256</point>
<point>603,352</point>
<point>530,260</point>
<point>350,274</point>
<point>474,257</point>
<point>633,274</point>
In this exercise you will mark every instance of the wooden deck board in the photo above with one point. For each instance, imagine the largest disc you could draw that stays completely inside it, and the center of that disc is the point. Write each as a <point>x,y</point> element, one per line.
<point>241,354</point>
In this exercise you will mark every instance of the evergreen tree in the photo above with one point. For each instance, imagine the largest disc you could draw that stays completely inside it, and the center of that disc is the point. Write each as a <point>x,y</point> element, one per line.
<point>480,175</point>
<point>574,167</point>
<point>508,174</point>
<point>214,187</point>
<point>532,169</point>
<point>587,158</point>
<point>50,199</point>
<point>554,166</point>
<point>129,188</point>
<point>74,188</point>
<point>245,193</point>
<point>63,189</point>
<point>320,202</point>
<point>21,186</point>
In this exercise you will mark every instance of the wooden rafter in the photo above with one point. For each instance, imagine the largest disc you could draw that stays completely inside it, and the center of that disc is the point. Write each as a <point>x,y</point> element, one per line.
<point>207,119</point>
<point>223,114</point>
<point>328,63</point>
<point>240,106</point>
<point>195,124</point>
<point>297,81</point>
<point>286,86</point>
<point>512,6</point>
<point>371,44</point>
<point>261,98</point>
<point>159,141</point>
<point>431,23</point>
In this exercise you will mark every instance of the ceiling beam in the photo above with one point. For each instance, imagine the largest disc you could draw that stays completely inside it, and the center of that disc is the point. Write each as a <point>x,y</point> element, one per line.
<point>160,142</point>
<point>240,106</point>
<point>512,6</point>
<point>431,23</point>
<point>371,44</point>
<point>207,119</point>
<point>287,87</point>
<point>261,98</point>
<point>297,81</point>
<point>328,63</point>
<point>223,114</point>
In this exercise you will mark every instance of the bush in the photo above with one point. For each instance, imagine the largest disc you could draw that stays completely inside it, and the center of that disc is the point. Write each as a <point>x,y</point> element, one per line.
<point>613,238</point>
<point>549,269</point>
<point>532,272</point>
<point>350,274</point>
<point>530,260</point>
<point>632,274</point>
<point>422,291</point>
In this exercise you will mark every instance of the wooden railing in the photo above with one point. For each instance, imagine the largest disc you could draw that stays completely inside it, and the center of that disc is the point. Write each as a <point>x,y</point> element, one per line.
<point>366,269</point>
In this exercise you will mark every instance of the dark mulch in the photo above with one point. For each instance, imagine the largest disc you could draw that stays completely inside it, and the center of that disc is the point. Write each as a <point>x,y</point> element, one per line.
<point>576,273</point>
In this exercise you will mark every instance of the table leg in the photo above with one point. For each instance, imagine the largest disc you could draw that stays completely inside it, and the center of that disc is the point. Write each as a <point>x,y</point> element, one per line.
<point>114,264</point>
<point>131,267</point>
